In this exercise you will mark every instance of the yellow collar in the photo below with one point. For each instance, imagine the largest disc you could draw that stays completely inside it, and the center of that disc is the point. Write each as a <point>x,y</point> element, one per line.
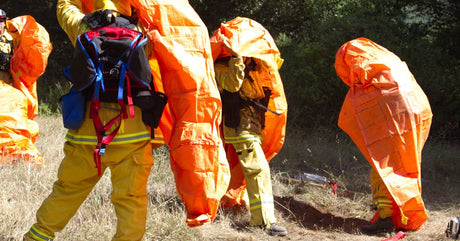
<point>6,37</point>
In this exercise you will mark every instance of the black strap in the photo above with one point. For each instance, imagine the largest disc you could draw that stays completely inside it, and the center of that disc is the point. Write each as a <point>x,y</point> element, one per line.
<point>5,58</point>
<point>103,18</point>
<point>231,105</point>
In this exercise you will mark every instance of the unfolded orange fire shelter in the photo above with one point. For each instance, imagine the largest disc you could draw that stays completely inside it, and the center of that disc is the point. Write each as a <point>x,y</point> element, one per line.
<point>388,117</point>
<point>183,69</point>
<point>18,131</point>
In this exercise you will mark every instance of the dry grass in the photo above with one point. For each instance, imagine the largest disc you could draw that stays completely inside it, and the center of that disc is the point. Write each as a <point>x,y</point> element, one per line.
<point>24,187</point>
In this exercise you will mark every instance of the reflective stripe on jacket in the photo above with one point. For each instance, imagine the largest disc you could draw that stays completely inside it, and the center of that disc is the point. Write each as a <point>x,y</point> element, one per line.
<point>131,129</point>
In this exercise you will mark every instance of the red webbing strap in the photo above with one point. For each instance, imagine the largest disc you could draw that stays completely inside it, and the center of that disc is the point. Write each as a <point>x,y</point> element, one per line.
<point>129,97</point>
<point>93,114</point>
<point>97,161</point>
<point>121,103</point>
<point>398,236</point>
<point>124,76</point>
<point>102,139</point>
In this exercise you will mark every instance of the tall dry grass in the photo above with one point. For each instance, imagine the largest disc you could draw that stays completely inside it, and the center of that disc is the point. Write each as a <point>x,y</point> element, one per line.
<point>23,187</point>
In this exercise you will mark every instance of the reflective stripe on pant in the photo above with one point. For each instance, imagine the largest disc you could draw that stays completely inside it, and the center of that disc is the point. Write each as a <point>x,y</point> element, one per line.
<point>130,166</point>
<point>35,234</point>
<point>257,175</point>
<point>380,195</point>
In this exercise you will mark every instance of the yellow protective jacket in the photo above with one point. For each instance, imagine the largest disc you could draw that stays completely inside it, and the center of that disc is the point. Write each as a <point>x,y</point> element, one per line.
<point>18,131</point>
<point>70,15</point>
<point>230,76</point>
<point>182,67</point>
<point>388,117</point>
<point>245,37</point>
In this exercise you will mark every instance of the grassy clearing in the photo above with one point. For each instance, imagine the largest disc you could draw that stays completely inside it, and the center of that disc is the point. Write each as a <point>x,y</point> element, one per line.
<point>324,152</point>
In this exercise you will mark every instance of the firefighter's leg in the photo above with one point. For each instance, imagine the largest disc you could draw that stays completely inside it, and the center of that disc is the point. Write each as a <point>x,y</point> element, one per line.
<point>158,141</point>
<point>383,200</point>
<point>129,180</point>
<point>257,175</point>
<point>380,195</point>
<point>77,176</point>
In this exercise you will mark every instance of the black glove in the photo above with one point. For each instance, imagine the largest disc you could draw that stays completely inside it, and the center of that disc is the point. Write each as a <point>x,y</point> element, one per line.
<point>231,108</point>
<point>99,18</point>
<point>5,62</point>
<point>104,18</point>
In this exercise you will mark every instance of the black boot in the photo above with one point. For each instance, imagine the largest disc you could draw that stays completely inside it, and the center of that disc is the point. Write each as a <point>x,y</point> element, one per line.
<point>380,226</point>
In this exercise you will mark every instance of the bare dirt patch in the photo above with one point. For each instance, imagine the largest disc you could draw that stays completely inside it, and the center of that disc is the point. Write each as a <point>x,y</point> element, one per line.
<point>316,217</point>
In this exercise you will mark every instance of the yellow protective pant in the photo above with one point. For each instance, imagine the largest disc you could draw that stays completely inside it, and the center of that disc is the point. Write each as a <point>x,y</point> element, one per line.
<point>130,166</point>
<point>380,195</point>
<point>258,183</point>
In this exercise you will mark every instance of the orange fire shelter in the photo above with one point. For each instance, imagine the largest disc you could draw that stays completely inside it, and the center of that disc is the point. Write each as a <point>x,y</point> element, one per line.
<point>182,67</point>
<point>18,131</point>
<point>388,117</point>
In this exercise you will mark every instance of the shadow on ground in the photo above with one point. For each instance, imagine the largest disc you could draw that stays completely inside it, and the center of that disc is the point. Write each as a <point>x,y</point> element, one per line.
<point>312,218</point>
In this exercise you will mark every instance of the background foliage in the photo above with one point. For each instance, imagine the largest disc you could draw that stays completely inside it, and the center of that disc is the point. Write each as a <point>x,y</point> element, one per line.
<point>308,33</point>
<point>424,33</point>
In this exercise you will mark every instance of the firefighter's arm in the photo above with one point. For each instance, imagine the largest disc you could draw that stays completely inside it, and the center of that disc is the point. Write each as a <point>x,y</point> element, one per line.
<point>230,75</point>
<point>70,15</point>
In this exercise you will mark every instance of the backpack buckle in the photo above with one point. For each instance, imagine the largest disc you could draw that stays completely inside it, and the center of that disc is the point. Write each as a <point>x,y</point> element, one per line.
<point>100,149</point>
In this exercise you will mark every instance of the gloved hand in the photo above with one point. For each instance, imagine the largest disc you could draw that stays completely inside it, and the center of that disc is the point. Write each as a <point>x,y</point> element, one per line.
<point>4,62</point>
<point>99,18</point>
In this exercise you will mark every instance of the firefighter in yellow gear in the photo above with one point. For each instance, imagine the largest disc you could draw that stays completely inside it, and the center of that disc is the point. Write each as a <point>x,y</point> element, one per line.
<point>239,77</point>
<point>129,158</point>
<point>129,155</point>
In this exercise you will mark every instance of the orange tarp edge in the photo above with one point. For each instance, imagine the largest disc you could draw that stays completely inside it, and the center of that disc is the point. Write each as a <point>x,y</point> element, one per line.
<point>18,131</point>
<point>388,117</point>
<point>190,123</point>
<point>248,38</point>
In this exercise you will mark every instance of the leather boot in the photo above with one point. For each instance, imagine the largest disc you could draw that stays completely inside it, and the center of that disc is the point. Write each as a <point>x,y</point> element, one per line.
<point>380,226</point>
